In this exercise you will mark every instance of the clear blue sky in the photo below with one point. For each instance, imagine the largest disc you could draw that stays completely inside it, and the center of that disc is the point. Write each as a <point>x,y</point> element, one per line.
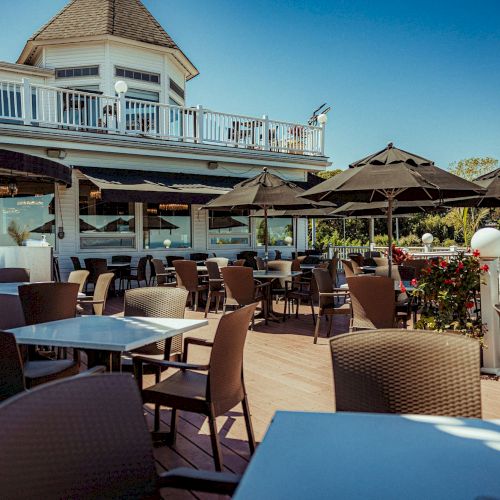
<point>423,74</point>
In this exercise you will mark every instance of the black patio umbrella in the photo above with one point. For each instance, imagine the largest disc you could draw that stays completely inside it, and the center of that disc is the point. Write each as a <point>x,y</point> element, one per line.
<point>389,175</point>
<point>265,191</point>
<point>380,208</point>
<point>490,199</point>
<point>306,213</point>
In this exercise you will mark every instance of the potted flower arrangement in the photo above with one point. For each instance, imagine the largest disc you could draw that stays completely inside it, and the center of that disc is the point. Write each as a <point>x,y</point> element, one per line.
<point>448,290</point>
<point>399,255</point>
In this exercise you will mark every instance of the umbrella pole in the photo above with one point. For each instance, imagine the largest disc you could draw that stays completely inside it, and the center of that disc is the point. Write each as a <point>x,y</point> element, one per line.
<point>266,238</point>
<point>389,232</point>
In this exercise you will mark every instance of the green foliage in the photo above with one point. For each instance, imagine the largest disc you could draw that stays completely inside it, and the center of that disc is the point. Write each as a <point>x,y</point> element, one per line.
<point>465,222</point>
<point>470,168</point>
<point>327,174</point>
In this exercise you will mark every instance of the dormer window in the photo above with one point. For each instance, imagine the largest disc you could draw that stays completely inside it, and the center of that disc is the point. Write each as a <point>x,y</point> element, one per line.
<point>133,74</point>
<point>78,72</point>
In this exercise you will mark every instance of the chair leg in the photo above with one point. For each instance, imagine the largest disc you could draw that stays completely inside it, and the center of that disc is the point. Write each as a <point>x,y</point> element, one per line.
<point>207,307</point>
<point>195,301</point>
<point>214,437</point>
<point>330,327</point>
<point>248,424</point>
<point>217,303</point>
<point>173,426</point>
<point>297,310</point>
<point>312,311</point>
<point>316,330</point>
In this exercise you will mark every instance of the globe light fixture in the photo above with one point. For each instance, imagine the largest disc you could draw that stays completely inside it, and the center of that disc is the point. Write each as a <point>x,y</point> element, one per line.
<point>121,87</point>
<point>487,242</point>
<point>167,243</point>
<point>288,240</point>
<point>427,238</point>
<point>322,119</point>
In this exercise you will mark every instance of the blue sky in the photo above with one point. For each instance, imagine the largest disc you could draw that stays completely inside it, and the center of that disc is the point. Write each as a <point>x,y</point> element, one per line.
<point>425,75</point>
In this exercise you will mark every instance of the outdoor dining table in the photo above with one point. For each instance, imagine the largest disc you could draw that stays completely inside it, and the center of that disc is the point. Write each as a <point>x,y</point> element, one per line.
<point>360,455</point>
<point>200,269</point>
<point>104,338</point>
<point>11,311</point>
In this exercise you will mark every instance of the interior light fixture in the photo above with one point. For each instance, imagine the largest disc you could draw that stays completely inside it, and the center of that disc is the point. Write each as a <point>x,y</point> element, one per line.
<point>95,194</point>
<point>173,206</point>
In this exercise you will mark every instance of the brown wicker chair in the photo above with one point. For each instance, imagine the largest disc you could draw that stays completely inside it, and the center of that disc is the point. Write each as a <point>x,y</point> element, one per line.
<point>239,262</point>
<point>186,273</point>
<point>259,262</point>
<point>212,394</point>
<point>57,442</point>
<point>98,300</point>
<point>215,286</point>
<point>77,265</point>
<point>14,275</point>
<point>162,276</point>
<point>138,274</point>
<point>79,277</point>
<point>95,267</point>
<point>299,290</point>
<point>242,289</point>
<point>327,293</point>
<point>333,270</point>
<point>171,259</point>
<point>373,302</point>
<point>348,269</point>
<point>278,286</point>
<point>407,371</point>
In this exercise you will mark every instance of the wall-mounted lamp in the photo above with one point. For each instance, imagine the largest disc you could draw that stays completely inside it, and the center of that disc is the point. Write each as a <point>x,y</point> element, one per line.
<point>212,165</point>
<point>60,154</point>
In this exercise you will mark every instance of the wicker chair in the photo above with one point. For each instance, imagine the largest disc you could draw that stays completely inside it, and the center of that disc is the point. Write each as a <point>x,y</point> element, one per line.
<point>373,302</point>
<point>198,257</point>
<point>259,262</point>
<point>79,277</point>
<point>221,261</point>
<point>161,274</point>
<point>242,289</point>
<point>215,286</point>
<point>187,277</point>
<point>381,261</point>
<point>299,290</point>
<point>140,273</point>
<point>77,265</point>
<point>98,300</point>
<point>239,262</point>
<point>417,265</point>
<point>70,448</point>
<point>249,257</point>
<point>348,268</point>
<point>407,371</point>
<point>14,275</point>
<point>95,267</point>
<point>327,293</point>
<point>212,394</point>
<point>333,270</point>
<point>278,287</point>
<point>171,259</point>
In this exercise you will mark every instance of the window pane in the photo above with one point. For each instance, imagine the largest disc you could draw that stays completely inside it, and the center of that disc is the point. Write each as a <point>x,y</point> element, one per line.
<point>97,216</point>
<point>29,215</point>
<point>228,228</point>
<point>280,231</point>
<point>90,242</point>
<point>166,225</point>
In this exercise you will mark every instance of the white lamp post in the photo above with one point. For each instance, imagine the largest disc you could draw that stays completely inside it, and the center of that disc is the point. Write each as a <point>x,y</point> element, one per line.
<point>322,119</point>
<point>487,242</point>
<point>121,87</point>
<point>427,240</point>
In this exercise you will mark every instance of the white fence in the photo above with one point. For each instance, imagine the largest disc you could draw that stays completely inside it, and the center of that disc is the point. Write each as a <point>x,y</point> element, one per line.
<point>73,109</point>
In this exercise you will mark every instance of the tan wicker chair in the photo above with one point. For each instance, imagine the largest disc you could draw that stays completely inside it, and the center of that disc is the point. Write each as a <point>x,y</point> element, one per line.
<point>161,274</point>
<point>98,300</point>
<point>14,275</point>
<point>215,286</point>
<point>86,437</point>
<point>407,371</point>
<point>186,273</point>
<point>373,302</point>
<point>79,277</point>
<point>221,261</point>
<point>381,261</point>
<point>212,394</point>
<point>348,268</point>
<point>327,294</point>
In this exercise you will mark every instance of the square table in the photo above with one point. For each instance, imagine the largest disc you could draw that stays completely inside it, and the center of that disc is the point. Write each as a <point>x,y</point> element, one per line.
<point>111,335</point>
<point>359,455</point>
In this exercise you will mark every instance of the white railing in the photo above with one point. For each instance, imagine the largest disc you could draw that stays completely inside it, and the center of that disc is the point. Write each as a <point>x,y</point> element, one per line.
<point>86,111</point>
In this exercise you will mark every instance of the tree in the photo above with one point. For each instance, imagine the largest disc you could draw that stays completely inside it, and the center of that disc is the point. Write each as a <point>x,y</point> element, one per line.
<point>470,168</point>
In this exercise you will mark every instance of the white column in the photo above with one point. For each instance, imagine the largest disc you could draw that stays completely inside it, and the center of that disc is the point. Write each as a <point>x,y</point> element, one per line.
<point>490,317</point>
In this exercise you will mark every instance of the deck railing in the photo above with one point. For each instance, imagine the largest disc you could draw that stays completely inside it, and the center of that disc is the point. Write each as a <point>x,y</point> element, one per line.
<point>35,104</point>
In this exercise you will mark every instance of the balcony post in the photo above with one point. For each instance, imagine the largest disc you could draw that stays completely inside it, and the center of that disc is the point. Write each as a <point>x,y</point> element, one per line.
<point>265,121</point>
<point>122,113</point>
<point>199,124</point>
<point>26,104</point>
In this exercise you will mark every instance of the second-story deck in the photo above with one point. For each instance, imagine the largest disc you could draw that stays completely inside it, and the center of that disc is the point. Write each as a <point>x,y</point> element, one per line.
<point>33,104</point>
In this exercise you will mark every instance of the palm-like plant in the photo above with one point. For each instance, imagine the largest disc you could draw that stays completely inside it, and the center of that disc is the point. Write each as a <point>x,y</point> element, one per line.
<point>466,221</point>
<point>17,234</point>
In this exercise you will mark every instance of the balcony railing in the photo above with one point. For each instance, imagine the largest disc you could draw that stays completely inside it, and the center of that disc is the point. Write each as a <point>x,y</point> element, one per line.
<point>41,105</point>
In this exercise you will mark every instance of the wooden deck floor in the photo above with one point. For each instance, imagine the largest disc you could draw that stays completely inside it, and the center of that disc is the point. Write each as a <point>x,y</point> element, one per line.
<point>284,370</point>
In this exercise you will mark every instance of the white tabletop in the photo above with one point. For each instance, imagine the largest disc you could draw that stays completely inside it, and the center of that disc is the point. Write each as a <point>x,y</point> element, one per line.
<point>276,274</point>
<point>365,456</point>
<point>308,266</point>
<point>397,284</point>
<point>106,333</point>
<point>13,288</point>
<point>119,264</point>
<point>199,268</point>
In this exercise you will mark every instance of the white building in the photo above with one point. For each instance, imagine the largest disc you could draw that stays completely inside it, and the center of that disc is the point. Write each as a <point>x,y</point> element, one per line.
<point>101,173</point>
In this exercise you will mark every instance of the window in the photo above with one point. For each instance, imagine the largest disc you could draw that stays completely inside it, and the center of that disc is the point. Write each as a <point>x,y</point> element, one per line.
<point>133,74</point>
<point>228,228</point>
<point>174,87</point>
<point>77,72</point>
<point>142,116</point>
<point>29,214</point>
<point>166,225</point>
<point>280,231</point>
<point>115,221</point>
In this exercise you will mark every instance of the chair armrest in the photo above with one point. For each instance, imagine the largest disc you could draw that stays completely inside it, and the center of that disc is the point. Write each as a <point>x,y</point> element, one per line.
<point>262,285</point>
<point>85,301</point>
<point>222,483</point>
<point>215,280</point>
<point>195,341</point>
<point>92,371</point>
<point>140,360</point>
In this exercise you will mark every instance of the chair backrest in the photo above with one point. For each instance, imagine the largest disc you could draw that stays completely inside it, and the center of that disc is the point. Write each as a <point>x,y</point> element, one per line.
<point>417,265</point>
<point>101,292</point>
<point>79,277</point>
<point>332,269</point>
<point>225,377</point>
<point>95,268</point>
<point>160,271</point>
<point>373,301</point>
<point>186,274</point>
<point>43,302</point>
<point>239,262</point>
<point>283,266</point>
<point>141,268</point>
<point>371,254</point>
<point>57,442</point>
<point>384,271</point>
<point>405,371</point>
<point>406,273</point>
<point>198,257</point>
<point>324,284</point>
<point>77,265</point>
<point>261,265</point>
<point>239,285</point>
<point>221,261</point>
<point>249,257</point>
<point>278,255</point>
<point>121,259</point>
<point>381,261</point>
<point>14,275</point>
<point>295,267</point>
<point>157,302</point>
<point>214,275</point>
<point>56,271</point>
<point>348,269</point>
<point>171,259</point>
<point>11,367</point>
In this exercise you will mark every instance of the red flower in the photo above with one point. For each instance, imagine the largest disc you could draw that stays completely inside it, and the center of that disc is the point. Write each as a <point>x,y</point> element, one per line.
<point>443,264</point>
<point>402,288</point>
<point>414,282</point>
<point>469,305</point>
<point>476,253</point>
<point>460,265</point>
<point>448,282</point>
<point>485,268</point>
